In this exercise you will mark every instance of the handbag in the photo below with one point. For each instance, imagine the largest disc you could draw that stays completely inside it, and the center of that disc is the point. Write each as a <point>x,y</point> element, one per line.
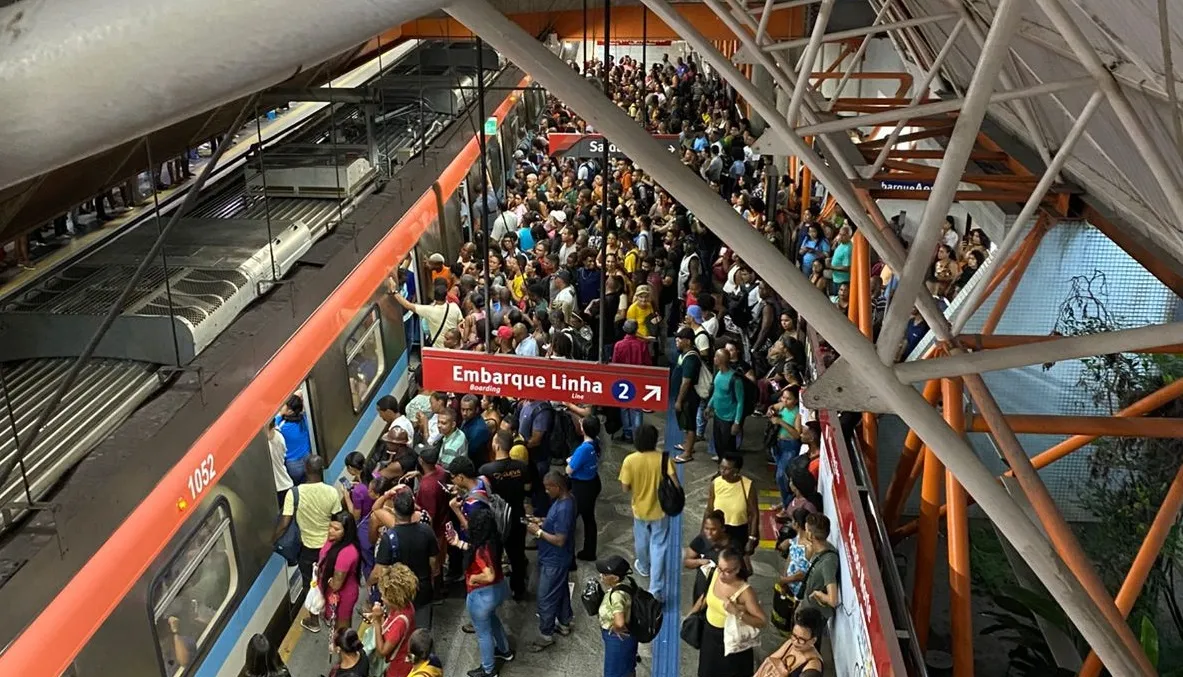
<point>773,666</point>
<point>314,601</point>
<point>288,546</point>
<point>784,607</point>
<point>695,624</point>
<point>591,597</point>
<point>737,635</point>
<point>369,642</point>
<point>670,494</point>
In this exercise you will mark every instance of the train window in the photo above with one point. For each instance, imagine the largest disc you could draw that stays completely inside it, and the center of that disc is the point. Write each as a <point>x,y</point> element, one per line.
<point>194,592</point>
<point>365,358</point>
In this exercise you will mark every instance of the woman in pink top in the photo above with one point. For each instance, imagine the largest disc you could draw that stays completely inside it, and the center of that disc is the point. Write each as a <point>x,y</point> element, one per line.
<point>339,570</point>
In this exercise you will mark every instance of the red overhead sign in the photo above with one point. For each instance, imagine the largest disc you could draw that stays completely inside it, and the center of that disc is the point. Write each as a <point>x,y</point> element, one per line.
<point>535,378</point>
<point>592,145</point>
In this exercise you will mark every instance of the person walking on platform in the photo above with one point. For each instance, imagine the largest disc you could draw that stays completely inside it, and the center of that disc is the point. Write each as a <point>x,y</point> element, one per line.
<point>640,475</point>
<point>556,553</point>
<point>726,405</point>
<point>487,590</point>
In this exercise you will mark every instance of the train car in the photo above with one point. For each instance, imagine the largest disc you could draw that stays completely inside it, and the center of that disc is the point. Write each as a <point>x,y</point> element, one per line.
<point>187,574</point>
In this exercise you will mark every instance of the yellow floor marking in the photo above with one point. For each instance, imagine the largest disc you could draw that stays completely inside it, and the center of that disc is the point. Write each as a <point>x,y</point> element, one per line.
<point>768,544</point>
<point>290,640</point>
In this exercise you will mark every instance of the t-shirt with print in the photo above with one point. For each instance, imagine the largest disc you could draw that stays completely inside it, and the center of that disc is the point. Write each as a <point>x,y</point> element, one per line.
<point>509,482</point>
<point>560,521</point>
<point>641,470</point>
<point>318,503</point>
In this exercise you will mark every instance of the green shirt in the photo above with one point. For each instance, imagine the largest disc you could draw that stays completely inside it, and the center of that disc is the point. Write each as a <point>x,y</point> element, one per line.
<point>454,446</point>
<point>841,257</point>
<point>727,397</point>
<point>616,601</point>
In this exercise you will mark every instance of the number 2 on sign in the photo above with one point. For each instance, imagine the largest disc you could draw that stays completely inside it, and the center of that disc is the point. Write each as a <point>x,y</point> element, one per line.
<point>203,475</point>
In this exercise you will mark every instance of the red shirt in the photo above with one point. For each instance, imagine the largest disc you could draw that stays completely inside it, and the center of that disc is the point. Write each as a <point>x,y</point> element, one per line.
<point>397,628</point>
<point>631,350</point>
<point>481,560</point>
<point>432,498</point>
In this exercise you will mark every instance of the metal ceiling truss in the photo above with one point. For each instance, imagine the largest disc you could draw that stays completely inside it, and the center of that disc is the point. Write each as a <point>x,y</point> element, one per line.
<point>867,377</point>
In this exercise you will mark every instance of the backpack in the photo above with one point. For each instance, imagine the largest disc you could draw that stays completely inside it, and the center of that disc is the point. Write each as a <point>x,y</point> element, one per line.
<point>288,546</point>
<point>750,394</point>
<point>502,514</point>
<point>670,494</point>
<point>563,436</point>
<point>738,308</point>
<point>581,345</point>
<point>702,387</point>
<point>646,615</point>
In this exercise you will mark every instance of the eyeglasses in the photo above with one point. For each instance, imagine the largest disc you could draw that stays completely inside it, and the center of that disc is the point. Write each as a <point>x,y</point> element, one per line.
<point>801,640</point>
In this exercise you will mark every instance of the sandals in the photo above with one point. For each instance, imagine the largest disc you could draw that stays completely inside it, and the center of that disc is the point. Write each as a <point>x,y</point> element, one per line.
<point>683,459</point>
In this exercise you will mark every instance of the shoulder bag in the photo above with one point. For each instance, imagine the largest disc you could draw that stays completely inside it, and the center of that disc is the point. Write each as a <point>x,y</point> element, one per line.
<point>737,635</point>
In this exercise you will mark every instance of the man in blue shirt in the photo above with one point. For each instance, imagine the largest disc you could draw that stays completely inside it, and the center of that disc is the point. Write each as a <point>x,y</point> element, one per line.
<point>726,404</point>
<point>475,430</point>
<point>556,551</point>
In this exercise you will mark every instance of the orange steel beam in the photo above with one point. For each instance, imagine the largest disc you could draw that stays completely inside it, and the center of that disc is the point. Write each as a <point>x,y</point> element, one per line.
<point>926,545</point>
<point>932,132</point>
<point>904,479</point>
<point>1016,276</point>
<point>1144,561</point>
<point>960,196</point>
<point>861,275</point>
<point>1151,402</point>
<point>627,24</point>
<point>1097,426</point>
<point>961,616</point>
<point>1151,261</point>
<point>848,47</point>
<point>993,341</point>
<point>806,184</point>
<point>902,154</point>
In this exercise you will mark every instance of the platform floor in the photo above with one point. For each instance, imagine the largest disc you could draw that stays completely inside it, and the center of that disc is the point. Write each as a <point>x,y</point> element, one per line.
<point>581,653</point>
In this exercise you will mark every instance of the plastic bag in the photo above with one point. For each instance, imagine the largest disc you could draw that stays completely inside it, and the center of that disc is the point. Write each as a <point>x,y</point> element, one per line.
<point>737,635</point>
<point>314,602</point>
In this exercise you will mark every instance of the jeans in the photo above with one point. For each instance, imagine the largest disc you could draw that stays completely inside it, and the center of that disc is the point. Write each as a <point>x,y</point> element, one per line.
<point>554,599</point>
<point>620,654</point>
<point>786,451</point>
<point>586,492</point>
<point>630,420</point>
<point>651,541</point>
<point>295,470</point>
<point>482,606</point>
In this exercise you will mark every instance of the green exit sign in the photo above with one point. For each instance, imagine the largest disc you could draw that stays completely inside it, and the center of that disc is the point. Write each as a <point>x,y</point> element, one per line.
<point>490,126</point>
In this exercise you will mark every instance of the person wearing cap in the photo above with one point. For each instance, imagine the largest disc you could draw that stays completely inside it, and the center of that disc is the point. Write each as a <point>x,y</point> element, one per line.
<point>631,349</point>
<point>504,336</point>
<point>438,318</point>
<point>564,299</point>
<point>702,338</point>
<point>641,311</point>
<point>620,648</point>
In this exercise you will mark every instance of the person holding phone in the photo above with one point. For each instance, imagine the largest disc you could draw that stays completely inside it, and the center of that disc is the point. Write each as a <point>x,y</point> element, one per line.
<point>487,589</point>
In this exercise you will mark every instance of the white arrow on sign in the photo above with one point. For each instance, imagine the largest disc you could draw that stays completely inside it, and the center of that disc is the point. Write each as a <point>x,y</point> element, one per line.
<point>651,393</point>
<point>672,150</point>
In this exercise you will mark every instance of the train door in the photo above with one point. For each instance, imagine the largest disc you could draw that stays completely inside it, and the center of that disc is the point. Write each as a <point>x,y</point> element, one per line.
<point>461,195</point>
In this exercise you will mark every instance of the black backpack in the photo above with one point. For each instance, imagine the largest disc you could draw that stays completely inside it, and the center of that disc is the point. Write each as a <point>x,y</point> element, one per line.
<point>563,436</point>
<point>581,346</point>
<point>502,514</point>
<point>750,394</point>
<point>646,615</point>
<point>670,494</point>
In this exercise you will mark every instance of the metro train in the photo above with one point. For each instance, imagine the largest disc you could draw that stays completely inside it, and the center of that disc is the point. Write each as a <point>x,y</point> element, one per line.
<point>180,584</point>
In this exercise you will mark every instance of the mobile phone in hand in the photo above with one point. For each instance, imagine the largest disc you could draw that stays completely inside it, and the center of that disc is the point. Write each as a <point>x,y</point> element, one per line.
<point>449,531</point>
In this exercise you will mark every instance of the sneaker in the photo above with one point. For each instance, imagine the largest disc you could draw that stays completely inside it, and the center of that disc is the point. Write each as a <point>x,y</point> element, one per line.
<point>541,644</point>
<point>481,672</point>
<point>564,630</point>
<point>506,657</point>
<point>639,570</point>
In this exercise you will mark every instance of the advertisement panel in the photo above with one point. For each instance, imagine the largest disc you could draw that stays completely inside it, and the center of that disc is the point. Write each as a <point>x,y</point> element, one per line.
<point>863,641</point>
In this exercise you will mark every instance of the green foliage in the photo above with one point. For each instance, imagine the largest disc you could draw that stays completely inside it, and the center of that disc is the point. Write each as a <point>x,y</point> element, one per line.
<point>1149,639</point>
<point>1028,653</point>
<point>1128,478</point>
<point>989,568</point>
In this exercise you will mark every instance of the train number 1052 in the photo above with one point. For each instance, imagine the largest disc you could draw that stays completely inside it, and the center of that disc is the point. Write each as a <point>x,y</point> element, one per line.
<point>203,475</point>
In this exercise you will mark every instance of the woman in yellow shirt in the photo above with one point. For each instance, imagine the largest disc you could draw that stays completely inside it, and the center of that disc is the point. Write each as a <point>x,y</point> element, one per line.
<point>727,594</point>
<point>641,311</point>
<point>515,279</point>
<point>732,494</point>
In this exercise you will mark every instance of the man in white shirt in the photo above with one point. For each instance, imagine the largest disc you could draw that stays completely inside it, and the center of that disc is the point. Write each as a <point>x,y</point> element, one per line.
<point>438,318</point>
<point>505,223</point>
<point>565,297</point>
<point>390,411</point>
<point>279,449</point>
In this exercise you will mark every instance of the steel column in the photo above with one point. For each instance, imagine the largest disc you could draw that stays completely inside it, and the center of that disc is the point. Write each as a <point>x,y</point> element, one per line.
<point>1045,182</point>
<point>814,43</point>
<point>859,32</point>
<point>926,545</point>
<point>902,480</point>
<point>1048,513</point>
<point>550,71</point>
<point>1163,173</point>
<point>961,616</point>
<point>944,189</point>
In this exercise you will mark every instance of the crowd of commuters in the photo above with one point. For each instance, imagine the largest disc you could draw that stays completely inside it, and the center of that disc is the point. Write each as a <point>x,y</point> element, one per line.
<point>460,486</point>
